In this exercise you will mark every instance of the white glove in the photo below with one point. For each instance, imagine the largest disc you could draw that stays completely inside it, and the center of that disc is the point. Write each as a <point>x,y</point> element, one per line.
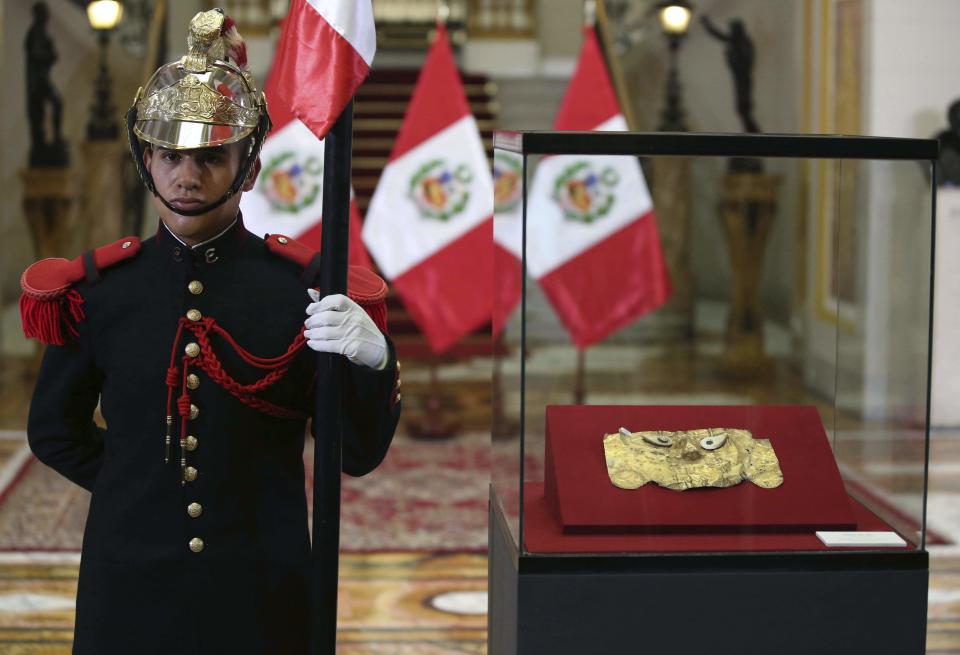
<point>338,325</point>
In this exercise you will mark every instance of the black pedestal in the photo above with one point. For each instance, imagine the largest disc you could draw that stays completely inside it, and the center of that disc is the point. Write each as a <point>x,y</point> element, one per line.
<point>846,603</point>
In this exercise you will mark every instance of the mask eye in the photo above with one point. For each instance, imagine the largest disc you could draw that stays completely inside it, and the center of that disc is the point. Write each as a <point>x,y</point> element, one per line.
<point>654,438</point>
<point>713,441</point>
<point>657,439</point>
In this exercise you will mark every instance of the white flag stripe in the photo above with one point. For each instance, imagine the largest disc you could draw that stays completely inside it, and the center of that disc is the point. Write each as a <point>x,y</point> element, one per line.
<point>553,239</point>
<point>508,225</point>
<point>353,20</point>
<point>613,124</point>
<point>397,235</point>
<point>259,214</point>
<point>508,232</point>
<point>556,239</point>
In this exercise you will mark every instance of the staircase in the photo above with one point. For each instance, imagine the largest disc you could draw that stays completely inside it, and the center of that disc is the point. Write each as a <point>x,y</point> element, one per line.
<point>379,107</point>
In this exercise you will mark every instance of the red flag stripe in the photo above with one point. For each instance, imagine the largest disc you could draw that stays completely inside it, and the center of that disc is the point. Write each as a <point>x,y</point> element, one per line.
<point>357,256</point>
<point>594,295</point>
<point>438,100</point>
<point>280,114</point>
<point>590,99</point>
<point>448,293</point>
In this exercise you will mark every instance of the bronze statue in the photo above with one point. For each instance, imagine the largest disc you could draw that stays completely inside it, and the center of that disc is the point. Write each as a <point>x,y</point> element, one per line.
<point>41,55</point>
<point>948,165</point>
<point>739,54</point>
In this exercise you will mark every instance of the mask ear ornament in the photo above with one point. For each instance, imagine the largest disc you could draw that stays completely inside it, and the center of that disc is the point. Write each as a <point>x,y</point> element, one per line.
<point>713,441</point>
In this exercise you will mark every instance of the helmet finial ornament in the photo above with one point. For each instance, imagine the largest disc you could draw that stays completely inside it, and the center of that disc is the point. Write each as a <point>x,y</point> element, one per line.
<point>203,40</point>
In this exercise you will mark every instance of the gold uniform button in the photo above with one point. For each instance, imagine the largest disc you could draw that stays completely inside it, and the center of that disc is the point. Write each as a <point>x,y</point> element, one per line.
<point>194,315</point>
<point>398,384</point>
<point>282,240</point>
<point>193,381</point>
<point>126,244</point>
<point>195,287</point>
<point>190,474</point>
<point>192,349</point>
<point>398,397</point>
<point>194,412</point>
<point>196,544</point>
<point>194,510</point>
<point>191,443</point>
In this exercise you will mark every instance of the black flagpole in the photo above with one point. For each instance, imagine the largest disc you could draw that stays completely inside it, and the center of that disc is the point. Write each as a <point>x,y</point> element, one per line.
<point>327,404</point>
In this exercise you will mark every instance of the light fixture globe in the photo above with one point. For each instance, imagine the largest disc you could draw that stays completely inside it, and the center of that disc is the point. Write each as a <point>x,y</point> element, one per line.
<point>104,14</point>
<point>674,18</point>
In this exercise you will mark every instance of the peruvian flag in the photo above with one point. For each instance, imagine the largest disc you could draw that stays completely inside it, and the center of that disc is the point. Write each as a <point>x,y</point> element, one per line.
<point>323,55</point>
<point>430,221</point>
<point>592,239</point>
<point>288,196</point>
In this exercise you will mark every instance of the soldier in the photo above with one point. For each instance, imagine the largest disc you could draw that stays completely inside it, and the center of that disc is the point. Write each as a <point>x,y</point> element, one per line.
<point>193,345</point>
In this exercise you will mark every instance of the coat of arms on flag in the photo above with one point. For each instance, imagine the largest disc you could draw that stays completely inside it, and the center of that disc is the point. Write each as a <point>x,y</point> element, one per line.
<point>291,183</point>
<point>584,193</point>
<point>507,169</point>
<point>440,190</point>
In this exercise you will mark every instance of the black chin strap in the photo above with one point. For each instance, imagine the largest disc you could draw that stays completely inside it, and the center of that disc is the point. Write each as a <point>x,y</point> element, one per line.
<point>256,143</point>
<point>196,212</point>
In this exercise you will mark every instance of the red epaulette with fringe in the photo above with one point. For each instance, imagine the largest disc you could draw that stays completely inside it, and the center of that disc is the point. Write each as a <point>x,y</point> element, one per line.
<point>50,307</point>
<point>364,287</point>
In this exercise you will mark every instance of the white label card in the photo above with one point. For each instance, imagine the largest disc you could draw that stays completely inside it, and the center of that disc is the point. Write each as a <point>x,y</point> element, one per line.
<point>848,539</point>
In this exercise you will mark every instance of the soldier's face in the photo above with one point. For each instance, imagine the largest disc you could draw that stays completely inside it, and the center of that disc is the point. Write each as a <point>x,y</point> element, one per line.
<point>190,179</point>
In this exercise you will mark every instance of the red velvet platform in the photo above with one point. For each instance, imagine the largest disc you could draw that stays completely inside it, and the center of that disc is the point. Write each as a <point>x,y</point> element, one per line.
<point>543,534</point>
<point>583,500</point>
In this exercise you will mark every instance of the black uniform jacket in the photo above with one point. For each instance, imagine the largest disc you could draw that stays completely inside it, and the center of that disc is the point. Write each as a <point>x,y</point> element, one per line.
<point>142,588</point>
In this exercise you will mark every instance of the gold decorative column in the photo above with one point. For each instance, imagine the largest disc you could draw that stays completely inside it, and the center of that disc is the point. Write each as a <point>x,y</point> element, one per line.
<point>672,208</point>
<point>48,207</point>
<point>101,201</point>
<point>748,203</point>
<point>48,199</point>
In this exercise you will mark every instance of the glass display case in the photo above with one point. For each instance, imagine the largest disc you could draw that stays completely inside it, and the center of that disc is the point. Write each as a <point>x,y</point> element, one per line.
<point>714,377</point>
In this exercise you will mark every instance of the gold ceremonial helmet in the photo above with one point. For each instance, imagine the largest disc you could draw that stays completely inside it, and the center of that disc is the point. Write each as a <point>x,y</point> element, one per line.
<point>206,99</point>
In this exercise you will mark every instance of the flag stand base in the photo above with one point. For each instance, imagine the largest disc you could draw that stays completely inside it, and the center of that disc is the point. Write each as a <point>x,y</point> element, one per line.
<point>580,379</point>
<point>435,423</point>
<point>501,427</point>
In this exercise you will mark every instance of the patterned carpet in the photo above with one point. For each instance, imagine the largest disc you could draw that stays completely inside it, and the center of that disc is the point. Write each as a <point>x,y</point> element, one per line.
<point>426,496</point>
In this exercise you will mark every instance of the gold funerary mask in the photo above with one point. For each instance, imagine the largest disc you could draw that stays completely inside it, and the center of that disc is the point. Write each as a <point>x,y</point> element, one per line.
<point>713,457</point>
